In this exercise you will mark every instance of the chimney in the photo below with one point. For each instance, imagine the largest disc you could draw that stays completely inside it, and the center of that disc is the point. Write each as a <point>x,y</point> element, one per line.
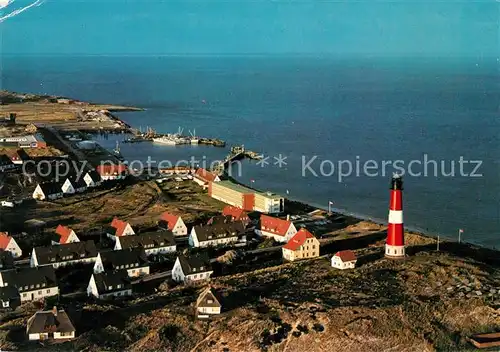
<point>54,311</point>
<point>287,217</point>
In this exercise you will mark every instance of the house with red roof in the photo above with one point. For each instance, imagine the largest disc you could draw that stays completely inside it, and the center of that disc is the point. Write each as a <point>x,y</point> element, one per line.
<point>279,229</point>
<point>64,235</point>
<point>236,214</point>
<point>119,228</point>
<point>173,223</point>
<point>9,244</point>
<point>344,260</point>
<point>112,171</point>
<point>204,178</point>
<point>303,245</point>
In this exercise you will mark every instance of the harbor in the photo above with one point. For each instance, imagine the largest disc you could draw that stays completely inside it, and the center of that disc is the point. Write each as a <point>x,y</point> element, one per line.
<point>173,139</point>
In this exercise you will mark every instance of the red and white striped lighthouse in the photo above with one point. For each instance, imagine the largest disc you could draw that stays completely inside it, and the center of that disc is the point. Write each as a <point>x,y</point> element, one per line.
<point>395,244</point>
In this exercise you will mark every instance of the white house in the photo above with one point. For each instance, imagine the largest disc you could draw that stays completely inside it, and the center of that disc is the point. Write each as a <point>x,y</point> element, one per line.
<point>133,260</point>
<point>9,297</point>
<point>204,177</point>
<point>9,244</point>
<point>344,260</point>
<point>303,245</point>
<point>189,269</point>
<point>92,179</point>
<point>160,242</point>
<point>65,254</point>
<point>50,325</point>
<point>31,283</point>
<point>279,229</point>
<point>207,304</point>
<point>48,191</point>
<point>64,235</point>
<point>119,228</point>
<point>216,234</point>
<point>67,187</point>
<point>173,223</point>
<point>110,284</point>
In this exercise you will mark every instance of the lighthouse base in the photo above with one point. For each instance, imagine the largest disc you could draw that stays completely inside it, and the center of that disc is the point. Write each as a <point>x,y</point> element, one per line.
<point>394,252</point>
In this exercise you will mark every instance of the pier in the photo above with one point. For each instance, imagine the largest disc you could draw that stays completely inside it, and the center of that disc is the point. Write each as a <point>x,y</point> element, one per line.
<point>237,153</point>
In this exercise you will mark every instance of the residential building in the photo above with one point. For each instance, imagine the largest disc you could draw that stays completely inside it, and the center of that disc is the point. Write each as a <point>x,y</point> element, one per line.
<point>173,223</point>
<point>110,284</point>
<point>246,198</point>
<point>6,260</point>
<point>236,214</point>
<point>50,325</point>
<point>159,242</point>
<point>92,179</point>
<point>112,171</point>
<point>48,191</point>
<point>74,185</point>
<point>216,235</point>
<point>279,229</point>
<point>219,219</point>
<point>344,260</point>
<point>29,141</point>
<point>64,235</point>
<point>207,304</point>
<point>9,244</point>
<point>303,245</point>
<point>191,269</point>
<point>64,254</point>
<point>9,297</point>
<point>204,177</point>
<point>134,260</point>
<point>31,283</point>
<point>18,157</point>
<point>119,228</point>
<point>6,164</point>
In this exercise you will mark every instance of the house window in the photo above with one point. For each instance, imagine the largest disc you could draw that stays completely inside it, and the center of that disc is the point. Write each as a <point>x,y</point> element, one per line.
<point>110,288</point>
<point>209,301</point>
<point>6,284</point>
<point>25,294</point>
<point>48,291</point>
<point>39,293</point>
<point>5,304</point>
<point>133,271</point>
<point>37,285</point>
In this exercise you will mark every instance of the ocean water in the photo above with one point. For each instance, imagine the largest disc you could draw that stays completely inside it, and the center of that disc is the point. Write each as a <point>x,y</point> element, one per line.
<point>337,110</point>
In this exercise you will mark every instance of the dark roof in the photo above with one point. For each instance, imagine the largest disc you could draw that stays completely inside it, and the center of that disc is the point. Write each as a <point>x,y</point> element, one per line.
<point>220,219</point>
<point>51,187</point>
<point>6,260</point>
<point>194,264</point>
<point>78,182</point>
<point>5,160</point>
<point>65,252</point>
<point>9,292</point>
<point>94,175</point>
<point>208,299</point>
<point>112,279</point>
<point>47,321</point>
<point>26,279</point>
<point>217,231</point>
<point>118,259</point>
<point>148,240</point>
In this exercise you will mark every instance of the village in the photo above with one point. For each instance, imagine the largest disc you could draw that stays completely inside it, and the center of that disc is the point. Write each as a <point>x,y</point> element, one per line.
<point>218,235</point>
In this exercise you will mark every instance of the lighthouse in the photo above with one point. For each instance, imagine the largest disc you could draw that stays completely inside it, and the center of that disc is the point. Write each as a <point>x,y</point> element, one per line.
<point>395,244</point>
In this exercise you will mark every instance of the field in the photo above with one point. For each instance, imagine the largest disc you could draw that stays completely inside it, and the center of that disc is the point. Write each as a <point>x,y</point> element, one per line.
<point>431,301</point>
<point>46,110</point>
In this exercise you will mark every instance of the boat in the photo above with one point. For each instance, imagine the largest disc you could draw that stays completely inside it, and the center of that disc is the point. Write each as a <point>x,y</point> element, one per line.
<point>171,140</point>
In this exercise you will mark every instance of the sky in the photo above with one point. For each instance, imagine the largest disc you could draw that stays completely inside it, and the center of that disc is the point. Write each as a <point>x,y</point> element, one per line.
<point>171,27</point>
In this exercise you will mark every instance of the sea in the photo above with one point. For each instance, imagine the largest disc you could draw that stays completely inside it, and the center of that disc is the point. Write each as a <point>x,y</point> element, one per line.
<point>312,118</point>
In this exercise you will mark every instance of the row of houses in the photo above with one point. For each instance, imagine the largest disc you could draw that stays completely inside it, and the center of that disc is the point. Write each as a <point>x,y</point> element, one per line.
<point>67,185</point>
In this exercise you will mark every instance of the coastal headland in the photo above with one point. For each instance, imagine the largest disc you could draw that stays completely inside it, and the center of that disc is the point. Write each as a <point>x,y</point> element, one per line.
<point>433,300</point>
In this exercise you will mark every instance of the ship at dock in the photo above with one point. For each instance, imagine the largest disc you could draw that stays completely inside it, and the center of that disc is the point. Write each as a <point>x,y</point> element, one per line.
<point>177,138</point>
